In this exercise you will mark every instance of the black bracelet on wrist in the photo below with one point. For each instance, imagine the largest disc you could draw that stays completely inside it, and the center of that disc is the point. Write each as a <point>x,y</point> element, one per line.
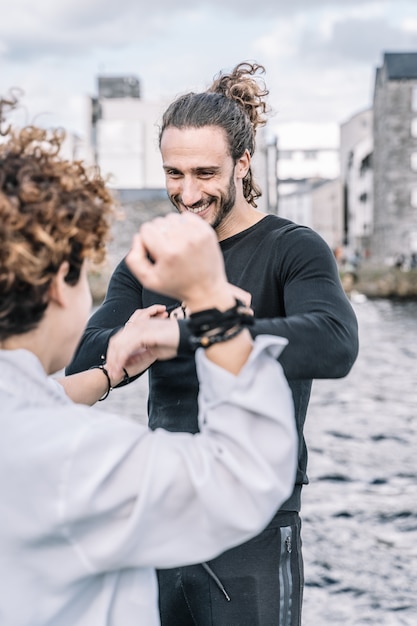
<point>126,379</point>
<point>105,372</point>
<point>217,337</point>
<point>213,326</point>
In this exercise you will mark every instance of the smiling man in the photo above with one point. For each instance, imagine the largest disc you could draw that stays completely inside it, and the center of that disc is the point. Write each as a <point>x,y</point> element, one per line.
<point>207,141</point>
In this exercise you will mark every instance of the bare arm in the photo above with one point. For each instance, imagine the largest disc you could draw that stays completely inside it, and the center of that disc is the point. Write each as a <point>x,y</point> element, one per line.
<point>89,386</point>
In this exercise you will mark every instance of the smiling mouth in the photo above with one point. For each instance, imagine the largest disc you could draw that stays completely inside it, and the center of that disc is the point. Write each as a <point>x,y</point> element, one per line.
<point>197,209</point>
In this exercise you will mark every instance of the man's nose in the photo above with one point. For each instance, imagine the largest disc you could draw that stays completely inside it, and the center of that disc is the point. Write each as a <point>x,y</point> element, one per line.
<point>190,192</point>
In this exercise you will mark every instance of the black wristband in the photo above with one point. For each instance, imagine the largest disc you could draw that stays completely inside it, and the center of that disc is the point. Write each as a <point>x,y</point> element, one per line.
<point>126,379</point>
<point>219,337</point>
<point>213,326</point>
<point>109,387</point>
<point>209,319</point>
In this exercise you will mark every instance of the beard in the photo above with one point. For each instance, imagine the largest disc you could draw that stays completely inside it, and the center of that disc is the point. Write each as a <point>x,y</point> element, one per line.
<point>226,202</point>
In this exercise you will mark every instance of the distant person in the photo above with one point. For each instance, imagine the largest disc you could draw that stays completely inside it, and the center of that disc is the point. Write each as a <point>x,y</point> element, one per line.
<point>399,261</point>
<point>92,503</point>
<point>207,141</point>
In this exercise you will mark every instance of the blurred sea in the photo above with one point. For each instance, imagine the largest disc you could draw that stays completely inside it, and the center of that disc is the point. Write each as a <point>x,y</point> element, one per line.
<point>360,509</point>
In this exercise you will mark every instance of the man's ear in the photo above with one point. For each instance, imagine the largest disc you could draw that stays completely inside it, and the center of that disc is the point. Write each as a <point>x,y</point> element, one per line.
<point>58,289</point>
<point>243,165</point>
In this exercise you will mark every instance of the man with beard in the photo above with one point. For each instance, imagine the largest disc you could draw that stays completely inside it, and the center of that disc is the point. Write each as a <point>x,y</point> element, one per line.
<point>207,141</point>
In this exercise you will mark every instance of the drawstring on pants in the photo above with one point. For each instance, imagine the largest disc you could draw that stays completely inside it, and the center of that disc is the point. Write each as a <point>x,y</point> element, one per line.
<point>216,580</point>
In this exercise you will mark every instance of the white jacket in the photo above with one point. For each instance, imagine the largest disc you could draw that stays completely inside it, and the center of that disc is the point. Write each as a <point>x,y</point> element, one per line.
<point>91,503</point>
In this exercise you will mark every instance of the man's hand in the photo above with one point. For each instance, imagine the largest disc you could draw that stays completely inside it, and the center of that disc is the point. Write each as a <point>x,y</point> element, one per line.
<point>179,256</point>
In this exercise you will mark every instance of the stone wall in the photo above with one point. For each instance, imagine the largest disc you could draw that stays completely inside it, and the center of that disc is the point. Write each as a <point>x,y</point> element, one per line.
<point>394,217</point>
<point>381,282</point>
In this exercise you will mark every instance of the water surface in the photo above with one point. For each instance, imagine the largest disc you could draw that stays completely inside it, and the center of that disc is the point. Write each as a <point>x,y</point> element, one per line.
<point>360,509</point>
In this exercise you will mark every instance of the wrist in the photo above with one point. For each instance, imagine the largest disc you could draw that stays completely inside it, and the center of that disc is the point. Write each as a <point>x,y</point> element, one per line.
<point>210,326</point>
<point>221,299</point>
<point>110,383</point>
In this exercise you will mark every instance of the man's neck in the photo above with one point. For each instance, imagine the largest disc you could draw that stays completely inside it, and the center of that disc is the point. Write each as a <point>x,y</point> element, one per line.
<point>239,219</point>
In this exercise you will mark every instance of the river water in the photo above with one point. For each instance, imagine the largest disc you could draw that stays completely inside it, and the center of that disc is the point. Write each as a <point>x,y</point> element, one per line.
<point>360,509</point>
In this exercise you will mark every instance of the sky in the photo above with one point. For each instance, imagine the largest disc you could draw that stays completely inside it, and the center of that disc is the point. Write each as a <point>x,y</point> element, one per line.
<point>320,56</point>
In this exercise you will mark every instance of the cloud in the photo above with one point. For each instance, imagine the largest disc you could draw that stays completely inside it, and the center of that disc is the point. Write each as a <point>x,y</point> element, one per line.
<point>356,40</point>
<point>320,55</point>
<point>30,30</point>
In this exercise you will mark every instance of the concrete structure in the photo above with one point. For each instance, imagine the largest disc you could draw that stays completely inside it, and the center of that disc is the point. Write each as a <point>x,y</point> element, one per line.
<point>307,163</point>
<point>308,173</point>
<point>356,177</point>
<point>123,134</point>
<point>327,211</point>
<point>395,160</point>
<point>264,170</point>
<point>296,205</point>
<point>318,205</point>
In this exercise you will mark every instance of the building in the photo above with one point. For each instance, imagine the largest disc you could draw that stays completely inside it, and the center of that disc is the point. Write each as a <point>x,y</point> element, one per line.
<point>327,218</point>
<point>308,180</point>
<point>395,158</point>
<point>356,175</point>
<point>316,203</point>
<point>264,170</point>
<point>123,134</point>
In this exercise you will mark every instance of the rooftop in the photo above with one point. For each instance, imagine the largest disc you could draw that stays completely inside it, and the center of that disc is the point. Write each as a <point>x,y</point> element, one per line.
<point>400,65</point>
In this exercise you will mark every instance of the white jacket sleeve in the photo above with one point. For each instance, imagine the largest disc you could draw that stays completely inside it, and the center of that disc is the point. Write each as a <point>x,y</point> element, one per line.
<point>131,497</point>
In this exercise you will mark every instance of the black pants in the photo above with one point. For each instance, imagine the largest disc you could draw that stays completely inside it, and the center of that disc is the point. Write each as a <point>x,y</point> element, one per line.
<point>259,583</point>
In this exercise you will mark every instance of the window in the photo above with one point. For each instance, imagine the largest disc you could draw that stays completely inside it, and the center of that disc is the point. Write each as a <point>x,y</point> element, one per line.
<point>366,164</point>
<point>414,99</point>
<point>413,198</point>
<point>414,127</point>
<point>309,155</point>
<point>413,161</point>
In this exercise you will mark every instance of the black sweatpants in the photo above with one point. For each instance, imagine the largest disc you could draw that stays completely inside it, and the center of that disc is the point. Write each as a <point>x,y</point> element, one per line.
<point>259,583</point>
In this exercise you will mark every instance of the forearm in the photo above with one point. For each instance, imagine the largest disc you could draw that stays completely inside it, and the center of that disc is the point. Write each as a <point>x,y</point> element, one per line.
<point>320,345</point>
<point>87,387</point>
<point>122,299</point>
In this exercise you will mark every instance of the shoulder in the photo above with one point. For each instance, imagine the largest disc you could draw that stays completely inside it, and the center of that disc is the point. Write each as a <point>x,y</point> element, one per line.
<point>291,234</point>
<point>122,278</point>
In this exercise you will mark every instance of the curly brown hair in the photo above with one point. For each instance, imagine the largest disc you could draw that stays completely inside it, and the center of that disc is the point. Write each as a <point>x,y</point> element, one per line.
<point>236,103</point>
<point>51,210</point>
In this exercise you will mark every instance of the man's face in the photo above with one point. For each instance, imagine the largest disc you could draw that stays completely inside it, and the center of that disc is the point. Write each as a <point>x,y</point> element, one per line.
<point>199,172</point>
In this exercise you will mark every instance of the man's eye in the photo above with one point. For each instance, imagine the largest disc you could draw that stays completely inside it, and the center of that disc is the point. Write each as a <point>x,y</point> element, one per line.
<point>206,174</point>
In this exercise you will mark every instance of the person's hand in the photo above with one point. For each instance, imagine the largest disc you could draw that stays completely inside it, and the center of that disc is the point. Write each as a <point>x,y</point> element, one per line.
<point>147,335</point>
<point>179,256</point>
<point>244,296</point>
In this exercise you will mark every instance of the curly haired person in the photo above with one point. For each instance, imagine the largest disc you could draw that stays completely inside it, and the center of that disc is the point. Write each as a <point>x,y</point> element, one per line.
<point>92,503</point>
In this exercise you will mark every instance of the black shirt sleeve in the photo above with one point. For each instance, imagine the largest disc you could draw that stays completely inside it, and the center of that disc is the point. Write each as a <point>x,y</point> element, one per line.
<point>318,320</point>
<point>123,297</point>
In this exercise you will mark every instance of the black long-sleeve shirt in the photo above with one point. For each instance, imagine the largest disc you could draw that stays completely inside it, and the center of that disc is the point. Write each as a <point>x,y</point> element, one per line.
<point>296,293</point>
